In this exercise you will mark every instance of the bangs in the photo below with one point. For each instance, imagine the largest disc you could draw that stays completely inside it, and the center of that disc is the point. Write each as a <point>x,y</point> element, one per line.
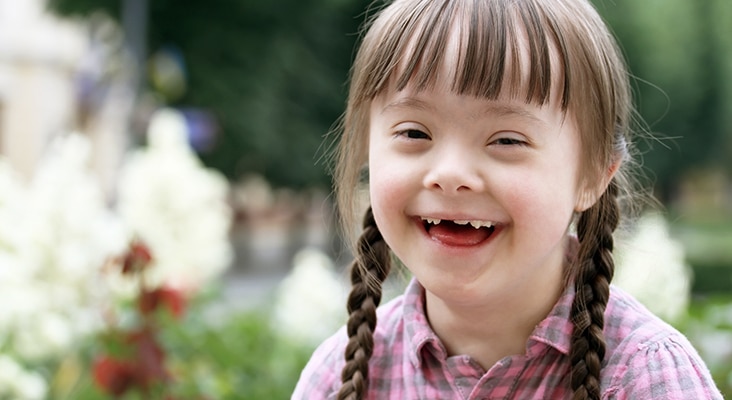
<point>503,48</point>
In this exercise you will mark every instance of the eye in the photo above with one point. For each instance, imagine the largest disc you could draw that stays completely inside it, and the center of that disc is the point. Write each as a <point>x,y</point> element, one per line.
<point>509,140</point>
<point>413,134</point>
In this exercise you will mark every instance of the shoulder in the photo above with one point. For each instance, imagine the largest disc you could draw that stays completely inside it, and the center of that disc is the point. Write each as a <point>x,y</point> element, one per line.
<point>321,377</point>
<point>648,358</point>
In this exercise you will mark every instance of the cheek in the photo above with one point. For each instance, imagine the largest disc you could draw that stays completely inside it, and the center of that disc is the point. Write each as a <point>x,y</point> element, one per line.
<point>385,188</point>
<point>388,200</point>
<point>540,203</point>
<point>390,177</point>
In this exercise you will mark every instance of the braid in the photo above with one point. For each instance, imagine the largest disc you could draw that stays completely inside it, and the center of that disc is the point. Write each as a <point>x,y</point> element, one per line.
<point>368,272</point>
<point>596,267</point>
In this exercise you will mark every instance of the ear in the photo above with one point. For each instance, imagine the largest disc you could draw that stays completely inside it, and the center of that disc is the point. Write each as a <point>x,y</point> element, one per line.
<point>591,192</point>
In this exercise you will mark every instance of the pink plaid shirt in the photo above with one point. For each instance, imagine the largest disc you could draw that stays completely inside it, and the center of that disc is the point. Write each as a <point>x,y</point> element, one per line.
<point>645,359</point>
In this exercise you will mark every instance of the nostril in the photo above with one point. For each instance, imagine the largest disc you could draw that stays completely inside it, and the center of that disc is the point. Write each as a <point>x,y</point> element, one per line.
<point>454,175</point>
<point>454,184</point>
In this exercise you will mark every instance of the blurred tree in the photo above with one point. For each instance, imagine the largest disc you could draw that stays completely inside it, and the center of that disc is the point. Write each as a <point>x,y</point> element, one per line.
<point>681,56</point>
<point>273,74</point>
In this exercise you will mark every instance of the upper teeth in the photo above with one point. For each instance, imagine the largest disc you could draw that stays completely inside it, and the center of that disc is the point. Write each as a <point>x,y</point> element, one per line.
<point>475,223</point>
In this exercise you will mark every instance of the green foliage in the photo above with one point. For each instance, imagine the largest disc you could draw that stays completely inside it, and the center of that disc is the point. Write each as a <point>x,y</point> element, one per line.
<point>681,56</point>
<point>240,358</point>
<point>85,7</point>
<point>237,357</point>
<point>708,251</point>
<point>709,326</point>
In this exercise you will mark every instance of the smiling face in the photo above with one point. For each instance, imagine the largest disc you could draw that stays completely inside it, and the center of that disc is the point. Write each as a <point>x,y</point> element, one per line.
<point>480,112</point>
<point>474,196</point>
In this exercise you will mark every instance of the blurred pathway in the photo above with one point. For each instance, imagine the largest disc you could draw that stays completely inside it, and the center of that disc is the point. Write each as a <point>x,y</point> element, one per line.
<point>265,245</point>
<point>244,289</point>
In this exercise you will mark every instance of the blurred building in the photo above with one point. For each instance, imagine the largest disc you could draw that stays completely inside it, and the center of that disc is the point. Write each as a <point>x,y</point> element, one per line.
<point>58,76</point>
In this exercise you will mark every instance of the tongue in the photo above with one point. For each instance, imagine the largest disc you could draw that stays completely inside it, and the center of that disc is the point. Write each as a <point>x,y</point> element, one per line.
<point>458,235</point>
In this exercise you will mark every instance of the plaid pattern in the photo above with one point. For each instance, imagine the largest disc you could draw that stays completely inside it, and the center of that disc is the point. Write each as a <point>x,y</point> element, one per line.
<point>645,359</point>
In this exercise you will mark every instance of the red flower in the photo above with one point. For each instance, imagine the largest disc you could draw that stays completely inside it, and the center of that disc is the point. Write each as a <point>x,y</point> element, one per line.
<point>171,298</point>
<point>149,358</point>
<point>137,258</point>
<point>113,376</point>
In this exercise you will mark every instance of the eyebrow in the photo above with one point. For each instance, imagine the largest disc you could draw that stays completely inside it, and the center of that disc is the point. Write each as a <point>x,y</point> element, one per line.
<point>409,103</point>
<point>499,109</point>
<point>505,110</point>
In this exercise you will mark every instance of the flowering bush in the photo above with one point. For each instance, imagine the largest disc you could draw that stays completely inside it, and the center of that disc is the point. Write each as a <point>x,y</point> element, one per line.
<point>56,234</point>
<point>49,264</point>
<point>18,382</point>
<point>172,351</point>
<point>177,207</point>
<point>653,268</point>
<point>133,357</point>
<point>176,211</point>
<point>310,293</point>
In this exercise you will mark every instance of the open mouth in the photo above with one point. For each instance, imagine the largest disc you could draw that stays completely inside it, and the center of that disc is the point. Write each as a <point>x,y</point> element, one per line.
<point>459,232</point>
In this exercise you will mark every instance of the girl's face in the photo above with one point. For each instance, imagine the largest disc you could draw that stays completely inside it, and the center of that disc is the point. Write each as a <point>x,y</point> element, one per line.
<point>474,196</point>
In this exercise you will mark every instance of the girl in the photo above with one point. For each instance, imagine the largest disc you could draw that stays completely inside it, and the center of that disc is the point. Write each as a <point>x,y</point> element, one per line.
<point>492,130</point>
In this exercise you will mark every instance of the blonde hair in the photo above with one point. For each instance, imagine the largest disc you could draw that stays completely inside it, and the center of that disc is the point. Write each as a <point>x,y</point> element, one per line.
<point>570,50</point>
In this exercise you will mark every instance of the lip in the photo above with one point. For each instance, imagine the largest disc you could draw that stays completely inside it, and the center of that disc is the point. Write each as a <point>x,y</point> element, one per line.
<point>421,224</point>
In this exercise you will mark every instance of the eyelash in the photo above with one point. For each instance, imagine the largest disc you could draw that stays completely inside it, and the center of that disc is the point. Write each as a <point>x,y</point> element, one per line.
<point>416,134</point>
<point>508,141</point>
<point>407,133</point>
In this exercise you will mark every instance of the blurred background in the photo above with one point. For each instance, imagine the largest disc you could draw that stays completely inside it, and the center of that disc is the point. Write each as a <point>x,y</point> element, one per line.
<point>166,224</point>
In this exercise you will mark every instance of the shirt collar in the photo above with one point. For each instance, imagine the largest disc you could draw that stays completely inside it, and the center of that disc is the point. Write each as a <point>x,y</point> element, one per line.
<point>554,331</point>
<point>419,334</point>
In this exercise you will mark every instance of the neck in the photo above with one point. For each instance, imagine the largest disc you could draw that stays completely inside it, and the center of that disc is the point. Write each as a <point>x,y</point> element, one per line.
<point>505,322</point>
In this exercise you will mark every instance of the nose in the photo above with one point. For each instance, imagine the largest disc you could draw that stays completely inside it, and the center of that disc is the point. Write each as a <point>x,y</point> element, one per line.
<point>453,171</point>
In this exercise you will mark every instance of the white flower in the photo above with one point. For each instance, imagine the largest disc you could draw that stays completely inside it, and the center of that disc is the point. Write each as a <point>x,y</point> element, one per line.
<point>61,237</point>
<point>14,273</point>
<point>13,199</point>
<point>70,221</point>
<point>31,386</point>
<point>309,305</point>
<point>17,383</point>
<point>177,207</point>
<point>652,268</point>
<point>43,334</point>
